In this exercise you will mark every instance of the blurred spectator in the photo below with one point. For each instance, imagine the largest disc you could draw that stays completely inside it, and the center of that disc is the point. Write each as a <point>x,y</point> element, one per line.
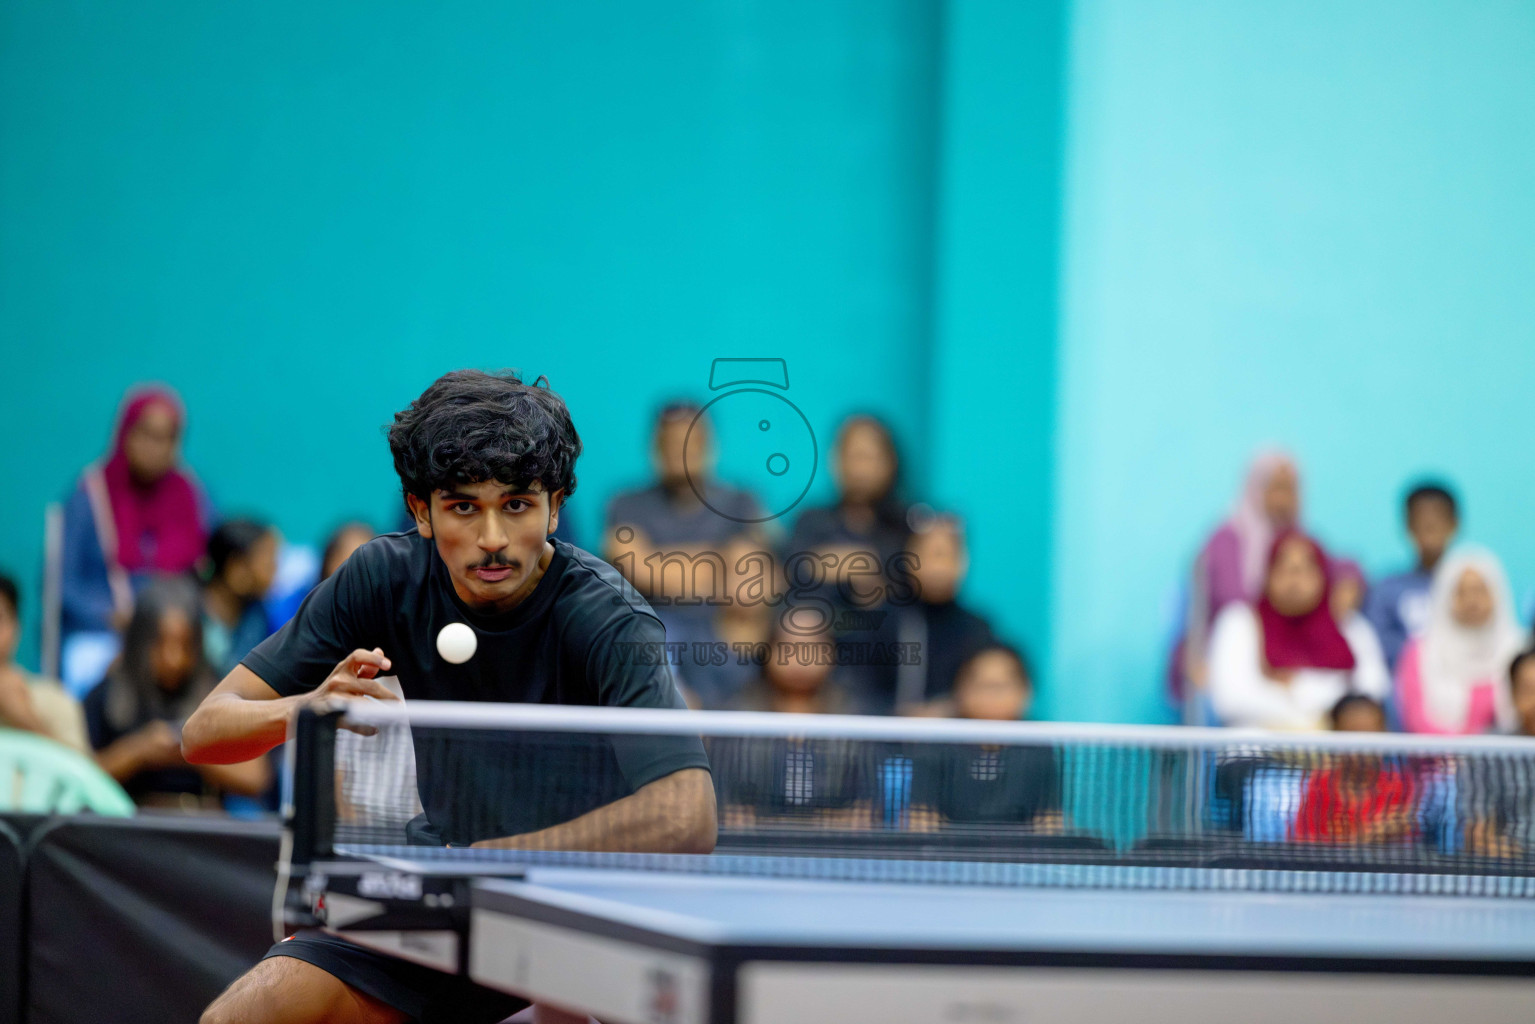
<point>1358,798</point>
<point>1398,605</point>
<point>1451,676</point>
<point>663,537</point>
<point>1355,712</point>
<point>797,677</point>
<point>715,652</point>
<point>1499,802</point>
<point>1348,589</point>
<point>793,780</point>
<point>344,540</point>
<point>867,526</point>
<point>941,631</point>
<point>133,514</point>
<point>31,702</point>
<point>1230,568</point>
<point>1521,688</point>
<point>135,715</point>
<point>242,562</point>
<point>989,784</point>
<point>1283,663</point>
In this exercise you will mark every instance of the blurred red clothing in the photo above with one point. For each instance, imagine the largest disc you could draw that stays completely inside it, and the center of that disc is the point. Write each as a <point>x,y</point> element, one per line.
<point>1334,807</point>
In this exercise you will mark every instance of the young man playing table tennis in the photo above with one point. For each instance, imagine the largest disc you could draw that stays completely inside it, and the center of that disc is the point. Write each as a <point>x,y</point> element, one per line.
<point>485,461</point>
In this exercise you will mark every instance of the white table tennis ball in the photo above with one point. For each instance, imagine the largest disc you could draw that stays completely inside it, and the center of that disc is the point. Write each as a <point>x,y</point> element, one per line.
<point>456,643</point>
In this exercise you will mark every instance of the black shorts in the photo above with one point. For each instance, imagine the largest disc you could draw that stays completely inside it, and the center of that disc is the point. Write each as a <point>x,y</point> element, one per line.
<point>427,995</point>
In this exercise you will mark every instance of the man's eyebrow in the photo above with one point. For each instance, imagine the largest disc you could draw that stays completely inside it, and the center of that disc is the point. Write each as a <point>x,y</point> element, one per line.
<point>510,492</point>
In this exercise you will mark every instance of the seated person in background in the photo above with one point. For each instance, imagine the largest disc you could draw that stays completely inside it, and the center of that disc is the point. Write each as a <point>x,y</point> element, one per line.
<point>135,715</point>
<point>714,661</point>
<point>799,675</point>
<point>1398,605</point>
<point>344,540</point>
<point>1231,566</point>
<point>242,562</point>
<point>30,702</point>
<point>824,782</point>
<point>1358,797</point>
<point>1283,663</point>
<point>1017,784</point>
<point>1499,800</point>
<point>1450,679</point>
<point>866,528</point>
<point>656,535</point>
<point>133,514</point>
<point>943,632</point>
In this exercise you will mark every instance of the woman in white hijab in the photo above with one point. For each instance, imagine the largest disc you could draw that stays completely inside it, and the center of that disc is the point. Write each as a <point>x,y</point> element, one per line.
<point>1451,678</point>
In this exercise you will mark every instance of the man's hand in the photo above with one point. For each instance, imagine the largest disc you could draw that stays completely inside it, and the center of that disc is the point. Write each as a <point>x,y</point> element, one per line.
<point>355,676</point>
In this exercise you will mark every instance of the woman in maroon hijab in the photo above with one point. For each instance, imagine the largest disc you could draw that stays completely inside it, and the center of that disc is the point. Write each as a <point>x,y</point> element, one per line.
<point>133,515</point>
<point>1282,661</point>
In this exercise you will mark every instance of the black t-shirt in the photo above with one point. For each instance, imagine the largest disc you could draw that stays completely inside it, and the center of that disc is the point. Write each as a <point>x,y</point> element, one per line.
<point>584,636</point>
<point>990,785</point>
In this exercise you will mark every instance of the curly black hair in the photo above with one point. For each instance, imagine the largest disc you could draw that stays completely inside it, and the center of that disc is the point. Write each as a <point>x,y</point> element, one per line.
<point>471,426</point>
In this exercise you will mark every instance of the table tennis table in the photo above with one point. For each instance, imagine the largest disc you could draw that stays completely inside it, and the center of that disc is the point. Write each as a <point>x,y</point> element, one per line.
<point>636,939</point>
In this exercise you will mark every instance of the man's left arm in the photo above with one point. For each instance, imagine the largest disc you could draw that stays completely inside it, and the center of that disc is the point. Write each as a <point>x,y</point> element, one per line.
<point>673,814</point>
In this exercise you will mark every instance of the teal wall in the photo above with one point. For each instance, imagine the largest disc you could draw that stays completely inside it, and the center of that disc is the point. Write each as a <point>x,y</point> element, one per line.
<point>1085,256</point>
<point>300,214</point>
<point>1308,223</point>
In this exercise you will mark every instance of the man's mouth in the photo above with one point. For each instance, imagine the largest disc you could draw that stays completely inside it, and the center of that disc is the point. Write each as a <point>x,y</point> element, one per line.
<point>492,573</point>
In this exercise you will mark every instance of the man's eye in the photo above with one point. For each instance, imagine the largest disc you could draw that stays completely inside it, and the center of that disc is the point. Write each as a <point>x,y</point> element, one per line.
<point>516,505</point>
<point>463,508</point>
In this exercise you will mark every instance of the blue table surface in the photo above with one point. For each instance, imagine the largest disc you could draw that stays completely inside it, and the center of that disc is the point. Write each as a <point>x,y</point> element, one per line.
<point>720,904</point>
<point>779,912</point>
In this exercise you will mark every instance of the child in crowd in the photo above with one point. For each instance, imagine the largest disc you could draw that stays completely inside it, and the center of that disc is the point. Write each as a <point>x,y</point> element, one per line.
<point>989,784</point>
<point>135,715</point>
<point>1398,605</point>
<point>1358,797</point>
<point>1283,661</point>
<point>30,702</point>
<point>1451,678</point>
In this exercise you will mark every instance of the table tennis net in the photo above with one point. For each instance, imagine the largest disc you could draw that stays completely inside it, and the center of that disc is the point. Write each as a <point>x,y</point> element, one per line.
<point>917,792</point>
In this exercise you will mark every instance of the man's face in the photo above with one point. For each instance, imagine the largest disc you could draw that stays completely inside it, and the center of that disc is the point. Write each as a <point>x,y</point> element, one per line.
<point>491,536</point>
<point>680,447</point>
<point>1432,526</point>
<point>865,469</point>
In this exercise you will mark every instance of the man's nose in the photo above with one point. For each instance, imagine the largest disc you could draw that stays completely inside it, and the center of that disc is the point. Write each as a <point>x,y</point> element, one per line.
<point>492,534</point>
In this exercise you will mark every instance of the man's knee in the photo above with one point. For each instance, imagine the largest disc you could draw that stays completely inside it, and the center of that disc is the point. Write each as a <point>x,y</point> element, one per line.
<point>286,990</point>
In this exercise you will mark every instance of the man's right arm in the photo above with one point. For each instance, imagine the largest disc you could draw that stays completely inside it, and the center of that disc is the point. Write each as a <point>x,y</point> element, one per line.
<point>244,717</point>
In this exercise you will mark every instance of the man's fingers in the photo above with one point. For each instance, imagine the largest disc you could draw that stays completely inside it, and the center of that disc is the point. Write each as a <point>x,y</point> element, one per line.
<point>367,664</point>
<point>361,730</point>
<point>361,686</point>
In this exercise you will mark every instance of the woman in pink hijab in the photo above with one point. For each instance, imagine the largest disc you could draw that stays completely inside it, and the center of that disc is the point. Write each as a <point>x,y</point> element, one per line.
<point>1233,562</point>
<point>134,514</point>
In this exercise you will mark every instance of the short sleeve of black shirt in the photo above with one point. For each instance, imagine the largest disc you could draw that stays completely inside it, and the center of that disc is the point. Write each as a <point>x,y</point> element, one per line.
<point>583,637</point>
